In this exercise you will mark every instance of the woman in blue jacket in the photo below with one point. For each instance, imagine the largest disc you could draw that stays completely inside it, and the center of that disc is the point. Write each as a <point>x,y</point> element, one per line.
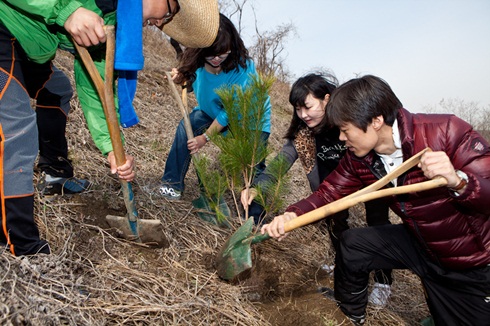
<point>225,63</point>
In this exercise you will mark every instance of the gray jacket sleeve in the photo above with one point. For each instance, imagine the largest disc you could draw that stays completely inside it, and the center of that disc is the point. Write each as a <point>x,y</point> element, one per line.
<point>288,152</point>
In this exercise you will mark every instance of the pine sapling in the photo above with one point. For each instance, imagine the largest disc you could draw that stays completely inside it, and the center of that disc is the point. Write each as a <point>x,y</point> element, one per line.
<point>242,146</point>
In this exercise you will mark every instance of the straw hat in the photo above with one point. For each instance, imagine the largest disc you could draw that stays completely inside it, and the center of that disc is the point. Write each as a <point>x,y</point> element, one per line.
<point>196,24</point>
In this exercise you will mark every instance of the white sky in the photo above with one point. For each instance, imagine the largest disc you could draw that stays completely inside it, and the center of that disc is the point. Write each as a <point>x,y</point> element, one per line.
<point>427,50</point>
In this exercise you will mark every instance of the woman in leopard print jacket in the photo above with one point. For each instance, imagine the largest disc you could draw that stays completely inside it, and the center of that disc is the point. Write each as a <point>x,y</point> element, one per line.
<point>316,143</point>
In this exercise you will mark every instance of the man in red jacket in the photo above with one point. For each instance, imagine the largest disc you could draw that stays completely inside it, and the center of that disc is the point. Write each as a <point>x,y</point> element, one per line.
<point>445,235</point>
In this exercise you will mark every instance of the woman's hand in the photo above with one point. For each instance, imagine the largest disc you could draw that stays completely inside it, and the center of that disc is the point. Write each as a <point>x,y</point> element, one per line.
<point>247,196</point>
<point>86,27</point>
<point>174,73</point>
<point>276,228</point>
<point>125,171</point>
<point>196,143</point>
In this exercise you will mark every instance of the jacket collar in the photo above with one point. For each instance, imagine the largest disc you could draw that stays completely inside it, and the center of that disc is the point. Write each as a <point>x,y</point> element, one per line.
<point>405,126</point>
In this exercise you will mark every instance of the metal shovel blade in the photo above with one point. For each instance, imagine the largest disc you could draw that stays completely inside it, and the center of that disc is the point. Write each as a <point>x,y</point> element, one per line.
<point>203,205</point>
<point>235,257</point>
<point>141,230</point>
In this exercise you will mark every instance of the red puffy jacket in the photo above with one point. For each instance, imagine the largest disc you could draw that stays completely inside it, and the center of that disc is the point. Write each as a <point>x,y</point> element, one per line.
<point>455,230</point>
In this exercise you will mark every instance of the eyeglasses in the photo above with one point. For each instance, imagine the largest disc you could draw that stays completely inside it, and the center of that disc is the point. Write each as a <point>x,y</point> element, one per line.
<point>170,14</point>
<point>221,56</point>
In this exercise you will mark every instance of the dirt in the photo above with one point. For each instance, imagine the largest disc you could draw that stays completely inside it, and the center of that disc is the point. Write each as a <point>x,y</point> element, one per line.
<point>283,284</point>
<point>283,297</point>
<point>288,300</point>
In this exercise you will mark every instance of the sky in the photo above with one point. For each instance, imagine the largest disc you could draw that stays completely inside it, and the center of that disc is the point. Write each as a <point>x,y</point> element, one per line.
<point>427,50</point>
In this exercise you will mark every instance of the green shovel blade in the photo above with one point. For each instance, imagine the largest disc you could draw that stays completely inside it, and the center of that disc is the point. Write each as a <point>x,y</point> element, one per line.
<point>205,212</point>
<point>235,256</point>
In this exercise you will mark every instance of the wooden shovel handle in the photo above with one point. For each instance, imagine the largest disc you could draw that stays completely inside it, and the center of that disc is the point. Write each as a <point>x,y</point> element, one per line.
<point>368,193</point>
<point>404,167</point>
<point>106,91</point>
<point>346,202</point>
<point>182,106</point>
<point>110,112</point>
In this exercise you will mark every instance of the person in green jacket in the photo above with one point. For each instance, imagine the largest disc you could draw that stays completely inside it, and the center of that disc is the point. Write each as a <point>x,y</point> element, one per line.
<point>30,35</point>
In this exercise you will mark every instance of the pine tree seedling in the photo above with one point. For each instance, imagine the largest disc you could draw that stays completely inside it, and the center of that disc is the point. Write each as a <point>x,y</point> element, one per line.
<point>241,149</point>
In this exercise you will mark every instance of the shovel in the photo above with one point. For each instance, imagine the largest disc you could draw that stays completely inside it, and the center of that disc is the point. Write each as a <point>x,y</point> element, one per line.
<point>202,204</point>
<point>131,227</point>
<point>235,256</point>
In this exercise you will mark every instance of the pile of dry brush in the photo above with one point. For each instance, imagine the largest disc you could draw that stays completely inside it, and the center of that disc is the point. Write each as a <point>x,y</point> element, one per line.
<point>94,278</point>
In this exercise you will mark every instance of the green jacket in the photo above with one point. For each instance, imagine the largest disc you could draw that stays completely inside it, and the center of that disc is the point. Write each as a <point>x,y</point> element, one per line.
<point>38,27</point>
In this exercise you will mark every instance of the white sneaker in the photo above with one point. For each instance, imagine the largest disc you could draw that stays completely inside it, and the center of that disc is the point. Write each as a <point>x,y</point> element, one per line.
<point>380,294</point>
<point>328,268</point>
<point>169,193</point>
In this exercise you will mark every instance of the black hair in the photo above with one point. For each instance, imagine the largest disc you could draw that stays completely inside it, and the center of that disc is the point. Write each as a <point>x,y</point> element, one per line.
<point>227,39</point>
<point>360,100</point>
<point>318,85</point>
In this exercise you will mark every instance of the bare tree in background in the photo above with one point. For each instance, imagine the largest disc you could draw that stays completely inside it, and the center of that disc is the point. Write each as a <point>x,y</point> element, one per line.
<point>231,8</point>
<point>472,112</point>
<point>485,124</point>
<point>267,50</point>
<point>269,46</point>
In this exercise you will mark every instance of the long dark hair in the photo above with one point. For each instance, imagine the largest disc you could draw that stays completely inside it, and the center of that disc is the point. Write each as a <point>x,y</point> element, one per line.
<point>318,85</point>
<point>227,39</point>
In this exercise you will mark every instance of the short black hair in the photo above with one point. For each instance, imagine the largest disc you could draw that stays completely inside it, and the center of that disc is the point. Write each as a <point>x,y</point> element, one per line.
<point>360,100</point>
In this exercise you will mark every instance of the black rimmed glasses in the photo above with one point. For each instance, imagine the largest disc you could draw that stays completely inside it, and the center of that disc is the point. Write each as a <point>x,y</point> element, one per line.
<point>221,56</point>
<point>171,13</point>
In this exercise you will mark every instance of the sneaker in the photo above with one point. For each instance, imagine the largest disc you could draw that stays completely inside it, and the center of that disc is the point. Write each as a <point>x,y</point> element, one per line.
<point>328,293</point>
<point>357,320</point>
<point>49,185</point>
<point>328,268</point>
<point>169,192</point>
<point>380,294</point>
<point>161,190</point>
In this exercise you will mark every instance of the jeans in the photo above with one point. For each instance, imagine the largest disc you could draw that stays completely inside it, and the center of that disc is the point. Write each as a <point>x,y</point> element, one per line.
<point>179,157</point>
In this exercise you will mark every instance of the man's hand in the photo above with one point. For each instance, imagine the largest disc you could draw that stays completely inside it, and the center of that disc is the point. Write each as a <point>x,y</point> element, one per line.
<point>276,228</point>
<point>435,164</point>
<point>86,27</point>
<point>124,171</point>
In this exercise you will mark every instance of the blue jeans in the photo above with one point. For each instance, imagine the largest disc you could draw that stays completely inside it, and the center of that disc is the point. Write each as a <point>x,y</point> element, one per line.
<point>179,157</point>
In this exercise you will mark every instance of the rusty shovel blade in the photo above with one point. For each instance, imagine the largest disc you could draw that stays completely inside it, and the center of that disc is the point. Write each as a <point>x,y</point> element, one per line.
<point>145,231</point>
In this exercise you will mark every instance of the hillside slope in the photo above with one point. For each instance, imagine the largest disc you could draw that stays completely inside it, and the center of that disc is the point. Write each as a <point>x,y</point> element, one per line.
<point>95,278</point>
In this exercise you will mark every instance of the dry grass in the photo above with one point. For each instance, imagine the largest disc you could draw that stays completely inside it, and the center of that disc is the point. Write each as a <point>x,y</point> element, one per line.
<point>94,278</point>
